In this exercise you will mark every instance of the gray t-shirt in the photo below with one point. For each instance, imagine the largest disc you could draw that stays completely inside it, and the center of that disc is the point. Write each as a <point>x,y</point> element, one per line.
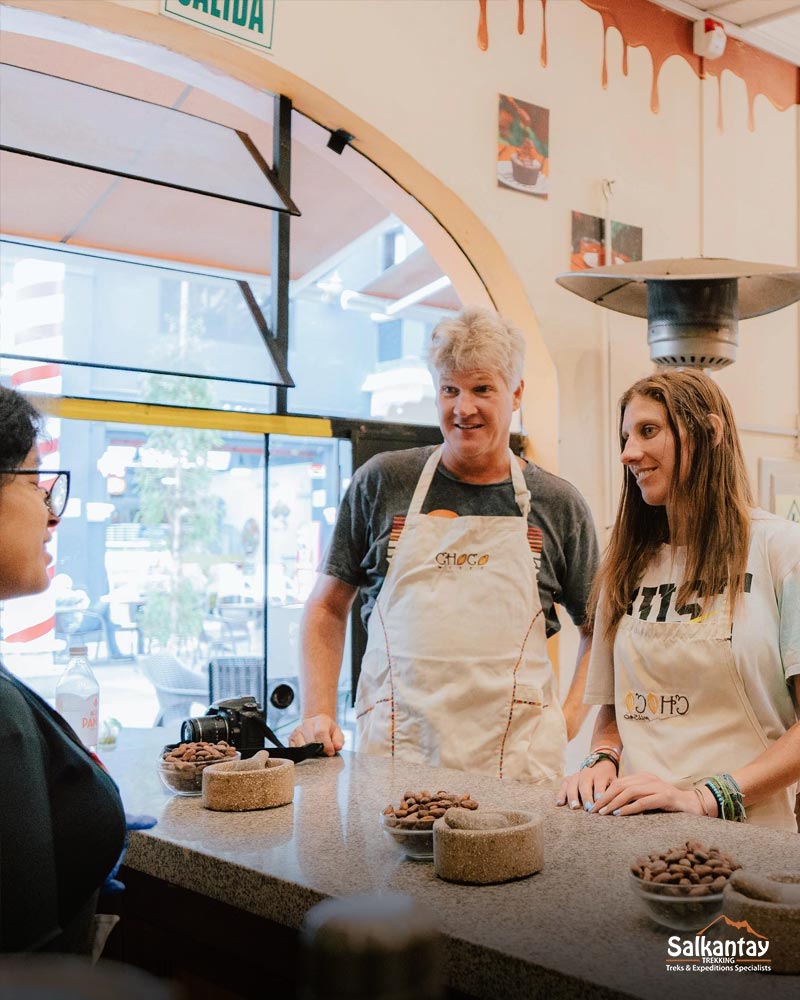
<point>564,539</point>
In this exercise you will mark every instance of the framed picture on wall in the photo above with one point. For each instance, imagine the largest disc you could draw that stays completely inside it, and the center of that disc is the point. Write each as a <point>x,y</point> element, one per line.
<point>588,248</point>
<point>523,138</point>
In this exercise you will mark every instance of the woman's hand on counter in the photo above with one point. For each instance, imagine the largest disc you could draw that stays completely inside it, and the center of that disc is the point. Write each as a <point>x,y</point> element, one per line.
<point>642,792</point>
<point>585,787</point>
<point>318,729</point>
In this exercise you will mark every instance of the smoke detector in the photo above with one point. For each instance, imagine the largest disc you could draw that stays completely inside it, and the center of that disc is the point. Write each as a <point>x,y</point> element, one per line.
<point>708,38</point>
<point>693,305</point>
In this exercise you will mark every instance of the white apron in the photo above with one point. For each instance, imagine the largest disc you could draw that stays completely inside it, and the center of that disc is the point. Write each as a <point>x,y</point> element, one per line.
<point>682,706</point>
<point>456,672</point>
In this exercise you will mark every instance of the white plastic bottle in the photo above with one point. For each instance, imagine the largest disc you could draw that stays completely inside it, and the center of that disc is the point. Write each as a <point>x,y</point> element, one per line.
<point>78,697</point>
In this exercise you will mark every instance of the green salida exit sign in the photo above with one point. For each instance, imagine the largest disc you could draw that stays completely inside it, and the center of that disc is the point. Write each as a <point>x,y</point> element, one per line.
<point>248,20</point>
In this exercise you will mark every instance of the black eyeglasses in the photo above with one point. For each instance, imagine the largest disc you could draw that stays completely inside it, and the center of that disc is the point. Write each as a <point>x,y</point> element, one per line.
<point>53,483</point>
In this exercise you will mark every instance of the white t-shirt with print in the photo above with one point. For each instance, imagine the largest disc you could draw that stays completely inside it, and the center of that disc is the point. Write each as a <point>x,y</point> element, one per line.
<point>766,623</point>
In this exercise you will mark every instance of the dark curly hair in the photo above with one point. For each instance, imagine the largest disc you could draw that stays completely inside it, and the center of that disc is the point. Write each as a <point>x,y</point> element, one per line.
<point>19,425</point>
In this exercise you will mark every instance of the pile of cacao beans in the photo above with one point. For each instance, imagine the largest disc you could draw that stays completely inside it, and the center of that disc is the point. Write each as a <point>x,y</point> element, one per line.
<point>420,810</point>
<point>691,870</point>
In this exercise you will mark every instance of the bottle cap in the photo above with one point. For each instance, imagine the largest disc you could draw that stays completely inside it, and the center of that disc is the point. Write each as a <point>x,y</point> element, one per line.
<point>78,650</point>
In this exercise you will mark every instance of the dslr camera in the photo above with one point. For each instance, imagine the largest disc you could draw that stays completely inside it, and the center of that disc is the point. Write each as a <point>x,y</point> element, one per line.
<point>238,721</point>
<point>242,723</point>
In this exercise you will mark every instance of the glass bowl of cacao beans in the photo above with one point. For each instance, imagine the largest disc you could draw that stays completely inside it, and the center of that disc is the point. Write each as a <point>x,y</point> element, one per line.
<point>681,887</point>
<point>409,825</point>
<point>181,765</point>
<point>415,844</point>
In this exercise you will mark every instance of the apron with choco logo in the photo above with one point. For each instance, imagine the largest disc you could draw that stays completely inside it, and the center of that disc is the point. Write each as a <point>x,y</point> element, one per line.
<point>681,704</point>
<point>456,672</point>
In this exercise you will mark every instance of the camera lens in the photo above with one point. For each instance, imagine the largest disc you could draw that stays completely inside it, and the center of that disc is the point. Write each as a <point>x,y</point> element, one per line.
<point>210,728</point>
<point>282,696</point>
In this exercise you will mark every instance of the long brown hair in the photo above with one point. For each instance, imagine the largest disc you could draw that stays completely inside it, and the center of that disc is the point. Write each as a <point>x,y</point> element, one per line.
<point>711,502</point>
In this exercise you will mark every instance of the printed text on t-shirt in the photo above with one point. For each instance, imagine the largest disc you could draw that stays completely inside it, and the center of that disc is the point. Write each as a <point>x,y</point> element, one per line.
<point>655,603</point>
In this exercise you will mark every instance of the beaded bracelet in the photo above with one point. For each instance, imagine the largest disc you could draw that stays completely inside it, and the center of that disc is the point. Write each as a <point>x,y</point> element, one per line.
<point>729,797</point>
<point>712,786</point>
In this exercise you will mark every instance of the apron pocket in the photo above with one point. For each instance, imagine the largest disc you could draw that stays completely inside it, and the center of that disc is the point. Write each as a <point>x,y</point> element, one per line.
<point>528,699</point>
<point>535,743</point>
<point>373,710</point>
<point>374,728</point>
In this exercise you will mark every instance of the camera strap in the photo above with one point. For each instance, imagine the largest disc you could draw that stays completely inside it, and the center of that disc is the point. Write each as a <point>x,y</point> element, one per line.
<point>297,754</point>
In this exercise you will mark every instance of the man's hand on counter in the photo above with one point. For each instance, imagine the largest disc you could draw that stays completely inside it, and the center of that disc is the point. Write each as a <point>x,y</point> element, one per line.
<point>318,729</point>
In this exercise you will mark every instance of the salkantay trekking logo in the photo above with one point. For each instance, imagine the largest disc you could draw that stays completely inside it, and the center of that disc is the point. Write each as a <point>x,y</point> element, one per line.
<point>716,949</point>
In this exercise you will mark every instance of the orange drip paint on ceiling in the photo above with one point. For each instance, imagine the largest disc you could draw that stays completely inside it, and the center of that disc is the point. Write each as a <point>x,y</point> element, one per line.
<point>763,73</point>
<point>664,33</point>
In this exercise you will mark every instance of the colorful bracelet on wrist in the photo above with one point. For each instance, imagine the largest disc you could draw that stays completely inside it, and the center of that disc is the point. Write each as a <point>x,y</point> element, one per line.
<point>729,797</point>
<point>612,753</point>
<point>596,756</point>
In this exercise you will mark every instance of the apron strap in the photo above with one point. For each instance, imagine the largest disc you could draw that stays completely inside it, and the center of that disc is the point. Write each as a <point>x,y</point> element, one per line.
<point>424,482</point>
<point>521,492</point>
<point>522,495</point>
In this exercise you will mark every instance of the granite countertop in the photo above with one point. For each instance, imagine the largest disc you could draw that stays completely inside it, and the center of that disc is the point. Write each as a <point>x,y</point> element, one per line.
<point>573,930</point>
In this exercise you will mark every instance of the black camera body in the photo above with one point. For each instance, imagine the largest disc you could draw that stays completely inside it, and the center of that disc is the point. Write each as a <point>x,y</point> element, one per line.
<point>238,721</point>
<point>242,723</point>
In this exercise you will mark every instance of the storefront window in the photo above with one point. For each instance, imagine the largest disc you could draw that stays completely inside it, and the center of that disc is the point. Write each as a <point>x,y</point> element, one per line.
<point>159,550</point>
<point>307,478</point>
<point>159,567</point>
<point>374,350</point>
<point>80,324</point>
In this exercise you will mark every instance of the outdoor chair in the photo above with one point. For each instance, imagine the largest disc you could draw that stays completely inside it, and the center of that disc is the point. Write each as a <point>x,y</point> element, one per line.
<point>242,615</point>
<point>78,628</point>
<point>218,637</point>
<point>234,676</point>
<point>177,687</point>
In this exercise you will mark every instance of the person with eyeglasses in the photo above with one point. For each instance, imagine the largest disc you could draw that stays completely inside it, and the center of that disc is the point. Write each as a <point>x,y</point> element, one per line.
<point>62,823</point>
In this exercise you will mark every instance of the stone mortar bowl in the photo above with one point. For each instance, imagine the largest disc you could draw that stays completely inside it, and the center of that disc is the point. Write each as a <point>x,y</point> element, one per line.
<point>257,783</point>
<point>771,905</point>
<point>481,848</point>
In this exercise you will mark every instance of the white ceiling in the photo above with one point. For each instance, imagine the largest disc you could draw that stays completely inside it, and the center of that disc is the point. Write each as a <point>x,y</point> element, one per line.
<point>772,25</point>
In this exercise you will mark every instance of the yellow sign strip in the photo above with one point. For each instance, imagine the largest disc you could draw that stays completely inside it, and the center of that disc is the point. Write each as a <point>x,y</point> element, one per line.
<point>179,416</point>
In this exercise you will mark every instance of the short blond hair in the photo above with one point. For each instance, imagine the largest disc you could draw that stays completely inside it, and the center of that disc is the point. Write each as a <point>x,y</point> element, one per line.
<point>477,338</point>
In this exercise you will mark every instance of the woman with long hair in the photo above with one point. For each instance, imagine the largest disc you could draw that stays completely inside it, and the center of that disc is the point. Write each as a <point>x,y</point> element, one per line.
<point>62,824</point>
<point>696,653</point>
